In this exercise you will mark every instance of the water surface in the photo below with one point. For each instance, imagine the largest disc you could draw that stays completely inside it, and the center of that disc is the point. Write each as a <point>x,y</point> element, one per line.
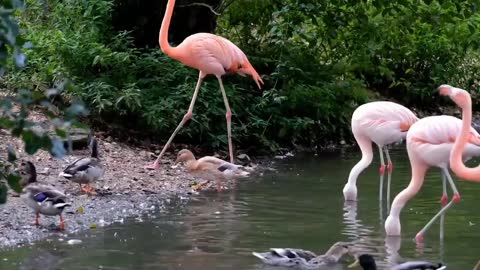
<point>301,205</point>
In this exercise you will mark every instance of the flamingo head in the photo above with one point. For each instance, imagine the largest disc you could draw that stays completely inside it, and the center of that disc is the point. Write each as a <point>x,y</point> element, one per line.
<point>459,96</point>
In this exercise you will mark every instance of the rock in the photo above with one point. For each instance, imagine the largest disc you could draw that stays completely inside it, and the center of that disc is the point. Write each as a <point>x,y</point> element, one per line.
<point>74,241</point>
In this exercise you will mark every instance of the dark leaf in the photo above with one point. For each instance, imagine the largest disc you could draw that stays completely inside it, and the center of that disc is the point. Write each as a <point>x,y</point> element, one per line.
<point>3,193</point>
<point>14,182</point>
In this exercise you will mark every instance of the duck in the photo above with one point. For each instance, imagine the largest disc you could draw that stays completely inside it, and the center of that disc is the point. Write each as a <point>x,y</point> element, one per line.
<point>42,198</point>
<point>288,257</point>
<point>367,262</point>
<point>85,170</point>
<point>210,168</point>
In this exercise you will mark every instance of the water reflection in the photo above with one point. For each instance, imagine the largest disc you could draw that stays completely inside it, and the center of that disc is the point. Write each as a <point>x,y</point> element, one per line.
<point>43,259</point>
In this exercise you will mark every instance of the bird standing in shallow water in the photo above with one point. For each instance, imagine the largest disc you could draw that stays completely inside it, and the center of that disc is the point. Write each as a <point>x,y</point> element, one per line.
<point>43,199</point>
<point>381,122</point>
<point>85,170</point>
<point>210,54</point>
<point>429,143</point>
<point>464,101</point>
<point>210,168</point>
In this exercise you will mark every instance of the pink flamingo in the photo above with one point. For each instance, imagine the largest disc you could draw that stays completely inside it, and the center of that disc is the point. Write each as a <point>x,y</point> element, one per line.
<point>429,143</point>
<point>210,54</point>
<point>464,101</point>
<point>383,123</point>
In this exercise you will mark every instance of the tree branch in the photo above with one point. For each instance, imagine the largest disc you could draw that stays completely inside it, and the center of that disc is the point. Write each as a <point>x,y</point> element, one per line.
<point>203,5</point>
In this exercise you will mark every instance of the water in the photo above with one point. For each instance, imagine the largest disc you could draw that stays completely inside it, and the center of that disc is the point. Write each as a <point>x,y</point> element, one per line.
<point>301,206</point>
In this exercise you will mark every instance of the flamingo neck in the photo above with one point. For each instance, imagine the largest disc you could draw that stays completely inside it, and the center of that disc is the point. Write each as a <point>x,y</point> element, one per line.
<point>456,162</point>
<point>418,176</point>
<point>163,37</point>
<point>367,157</point>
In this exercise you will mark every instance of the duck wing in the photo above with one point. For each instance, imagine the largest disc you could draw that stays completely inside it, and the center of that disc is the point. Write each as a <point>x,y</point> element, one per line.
<point>418,265</point>
<point>79,165</point>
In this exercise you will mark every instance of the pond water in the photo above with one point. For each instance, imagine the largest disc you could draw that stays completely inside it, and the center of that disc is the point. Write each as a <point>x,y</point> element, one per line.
<point>301,205</point>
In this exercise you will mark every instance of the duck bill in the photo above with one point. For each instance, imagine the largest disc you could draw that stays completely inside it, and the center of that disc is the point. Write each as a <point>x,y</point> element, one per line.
<point>354,264</point>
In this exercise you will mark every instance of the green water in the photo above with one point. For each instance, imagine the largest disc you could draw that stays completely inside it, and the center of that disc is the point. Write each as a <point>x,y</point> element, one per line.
<point>301,205</point>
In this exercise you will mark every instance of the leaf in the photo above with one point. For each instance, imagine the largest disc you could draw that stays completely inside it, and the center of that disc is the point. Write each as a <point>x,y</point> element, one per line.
<point>14,182</point>
<point>12,156</point>
<point>3,193</point>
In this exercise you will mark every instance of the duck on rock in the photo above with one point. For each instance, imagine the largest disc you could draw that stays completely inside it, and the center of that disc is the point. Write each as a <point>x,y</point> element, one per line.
<point>42,198</point>
<point>85,170</point>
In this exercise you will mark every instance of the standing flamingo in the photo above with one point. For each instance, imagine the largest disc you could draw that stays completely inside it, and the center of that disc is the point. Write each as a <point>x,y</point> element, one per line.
<point>429,143</point>
<point>210,54</point>
<point>383,123</point>
<point>464,101</point>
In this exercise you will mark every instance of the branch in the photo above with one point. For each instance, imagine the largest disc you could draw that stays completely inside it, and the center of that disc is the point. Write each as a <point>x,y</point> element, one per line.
<point>203,5</point>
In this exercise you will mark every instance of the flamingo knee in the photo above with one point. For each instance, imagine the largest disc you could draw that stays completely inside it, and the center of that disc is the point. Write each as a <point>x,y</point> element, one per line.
<point>228,115</point>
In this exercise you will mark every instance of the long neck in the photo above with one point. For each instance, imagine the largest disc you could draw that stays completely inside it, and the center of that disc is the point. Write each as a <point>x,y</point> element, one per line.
<point>163,38</point>
<point>367,156</point>
<point>456,162</point>
<point>418,175</point>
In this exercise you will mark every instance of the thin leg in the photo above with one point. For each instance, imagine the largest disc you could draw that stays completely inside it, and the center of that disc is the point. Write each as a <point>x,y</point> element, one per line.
<point>37,222</point>
<point>382,172</point>
<point>442,223</point>
<point>389,176</point>
<point>185,118</point>
<point>228,115</point>
<point>389,161</point>
<point>444,198</point>
<point>62,223</point>
<point>382,160</point>
<point>455,199</point>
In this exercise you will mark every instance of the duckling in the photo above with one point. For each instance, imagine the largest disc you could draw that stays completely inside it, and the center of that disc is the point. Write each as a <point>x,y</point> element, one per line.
<point>210,168</point>
<point>367,262</point>
<point>28,173</point>
<point>303,258</point>
<point>85,170</point>
<point>43,199</point>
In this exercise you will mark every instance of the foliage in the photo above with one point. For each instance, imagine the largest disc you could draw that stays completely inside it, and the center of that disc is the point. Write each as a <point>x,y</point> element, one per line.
<point>318,59</point>
<point>14,109</point>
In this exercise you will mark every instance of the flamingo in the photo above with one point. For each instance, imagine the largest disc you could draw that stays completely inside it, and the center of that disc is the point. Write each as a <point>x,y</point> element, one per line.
<point>210,54</point>
<point>429,143</point>
<point>381,122</point>
<point>464,101</point>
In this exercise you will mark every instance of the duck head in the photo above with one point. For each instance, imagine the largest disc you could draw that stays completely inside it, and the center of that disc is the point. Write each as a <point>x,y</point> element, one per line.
<point>366,261</point>
<point>184,155</point>
<point>27,172</point>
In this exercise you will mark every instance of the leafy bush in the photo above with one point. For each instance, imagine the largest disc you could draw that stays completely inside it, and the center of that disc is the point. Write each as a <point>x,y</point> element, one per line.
<point>14,109</point>
<point>318,59</point>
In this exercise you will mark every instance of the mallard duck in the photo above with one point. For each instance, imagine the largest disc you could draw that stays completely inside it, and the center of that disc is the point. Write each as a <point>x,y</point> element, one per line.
<point>210,168</point>
<point>28,173</point>
<point>367,262</point>
<point>85,170</point>
<point>303,258</point>
<point>43,199</point>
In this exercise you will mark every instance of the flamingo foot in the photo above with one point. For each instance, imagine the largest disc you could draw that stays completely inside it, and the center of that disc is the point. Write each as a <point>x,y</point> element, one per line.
<point>456,198</point>
<point>419,238</point>
<point>390,167</point>
<point>153,166</point>
<point>444,199</point>
<point>382,169</point>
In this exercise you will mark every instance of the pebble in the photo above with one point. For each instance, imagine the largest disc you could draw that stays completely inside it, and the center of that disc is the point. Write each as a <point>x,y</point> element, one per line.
<point>74,241</point>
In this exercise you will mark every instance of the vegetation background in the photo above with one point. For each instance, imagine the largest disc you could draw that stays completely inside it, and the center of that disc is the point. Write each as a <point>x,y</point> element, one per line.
<point>319,60</point>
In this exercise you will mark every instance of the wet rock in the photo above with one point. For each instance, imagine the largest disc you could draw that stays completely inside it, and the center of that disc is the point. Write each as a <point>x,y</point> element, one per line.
<point>74,241</point>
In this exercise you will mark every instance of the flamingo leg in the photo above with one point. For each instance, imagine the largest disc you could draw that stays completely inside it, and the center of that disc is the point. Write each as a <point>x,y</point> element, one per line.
<point>62,223</point>
<point>228,116</point>
<point>382,171</point>
<point>444,198</point>
<point>382,160</point>
<point>455,199</point>
<point>389,176</point>
<point>185,118</point>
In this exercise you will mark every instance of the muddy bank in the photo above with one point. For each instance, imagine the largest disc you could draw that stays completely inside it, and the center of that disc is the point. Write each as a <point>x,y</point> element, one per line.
<point>127,190</point>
